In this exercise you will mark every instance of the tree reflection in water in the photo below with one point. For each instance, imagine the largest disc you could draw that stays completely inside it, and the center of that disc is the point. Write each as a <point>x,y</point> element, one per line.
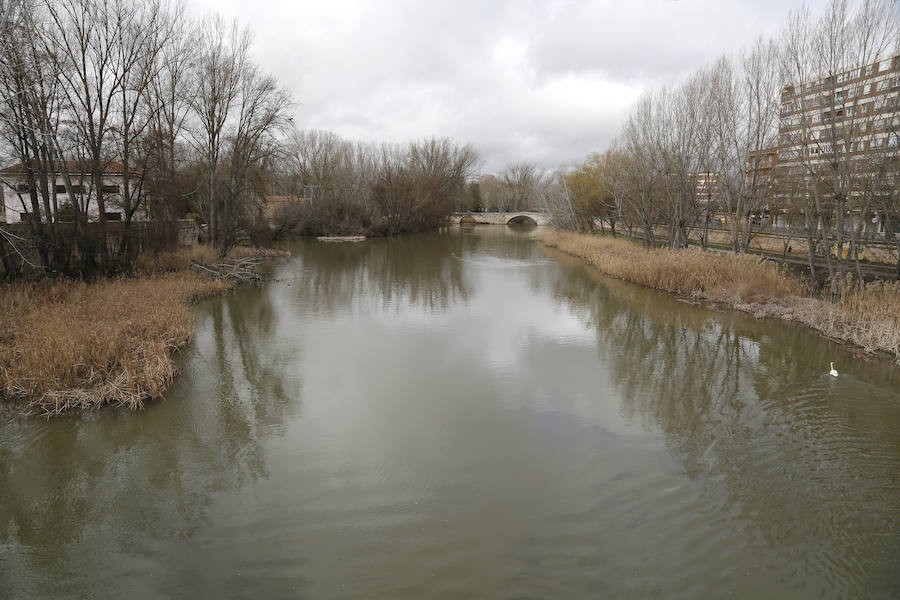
<point>520,423</point>
<point>750,411</point>
<point>379,273</point>
<point>145,478</point>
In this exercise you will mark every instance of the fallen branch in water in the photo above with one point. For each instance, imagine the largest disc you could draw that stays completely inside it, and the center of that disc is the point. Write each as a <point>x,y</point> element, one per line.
<point>240,271</point>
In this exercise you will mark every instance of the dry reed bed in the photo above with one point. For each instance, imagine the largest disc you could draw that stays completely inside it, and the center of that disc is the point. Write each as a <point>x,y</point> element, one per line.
<point>68,345</point>
<point>867,315</point>
<point>172,260</point>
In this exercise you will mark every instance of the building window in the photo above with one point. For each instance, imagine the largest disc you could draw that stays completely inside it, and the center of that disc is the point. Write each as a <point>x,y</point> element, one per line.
<point>884,65</point>
<point>23,188</point>
<point>110,189</point>
<point>113,216</point>
<point>867,88</point>
<point>869,69</point>
<point>854,74</point>
<point>883,84</point>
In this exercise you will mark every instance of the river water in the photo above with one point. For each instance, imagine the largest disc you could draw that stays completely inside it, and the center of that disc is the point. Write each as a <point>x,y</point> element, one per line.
<point>468,415</point>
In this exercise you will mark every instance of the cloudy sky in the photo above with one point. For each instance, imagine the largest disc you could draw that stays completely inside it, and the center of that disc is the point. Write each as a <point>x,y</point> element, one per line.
<point>543,81</point>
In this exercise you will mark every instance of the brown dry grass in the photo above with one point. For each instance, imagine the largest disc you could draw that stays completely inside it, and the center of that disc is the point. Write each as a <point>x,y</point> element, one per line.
<point>172,260</point>
<point>720,276</point>
<point>68,345</point>
<point>867,315</point>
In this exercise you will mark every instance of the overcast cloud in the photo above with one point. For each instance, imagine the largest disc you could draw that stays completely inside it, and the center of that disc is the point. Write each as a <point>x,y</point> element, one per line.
<point>523,80</point>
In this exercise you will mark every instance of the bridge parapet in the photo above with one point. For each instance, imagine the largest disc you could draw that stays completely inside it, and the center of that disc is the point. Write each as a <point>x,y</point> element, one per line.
<point>500,218</point>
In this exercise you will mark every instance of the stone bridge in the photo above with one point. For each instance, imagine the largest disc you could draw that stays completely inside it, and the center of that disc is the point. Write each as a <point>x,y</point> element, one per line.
<point>501,218</point>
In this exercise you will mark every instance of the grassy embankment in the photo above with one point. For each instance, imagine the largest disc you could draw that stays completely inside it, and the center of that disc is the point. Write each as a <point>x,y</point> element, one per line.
<point>68,345</point>
<point>867,315</point>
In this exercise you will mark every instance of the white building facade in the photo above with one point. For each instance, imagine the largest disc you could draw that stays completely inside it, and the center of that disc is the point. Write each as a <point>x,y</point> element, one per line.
<point>15,194</point>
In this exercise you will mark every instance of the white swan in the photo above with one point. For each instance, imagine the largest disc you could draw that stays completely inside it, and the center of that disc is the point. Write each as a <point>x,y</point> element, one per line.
<point>833,372</point>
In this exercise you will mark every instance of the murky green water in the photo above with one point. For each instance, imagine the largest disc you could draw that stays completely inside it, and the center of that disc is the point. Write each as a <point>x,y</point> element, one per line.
<point>468,415</point>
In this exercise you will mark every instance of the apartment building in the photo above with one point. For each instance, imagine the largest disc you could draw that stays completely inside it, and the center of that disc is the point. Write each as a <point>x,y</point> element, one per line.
<point>707,192</point>
<point>761,165</point>
<point>840,134</point>
<point>759,182</point>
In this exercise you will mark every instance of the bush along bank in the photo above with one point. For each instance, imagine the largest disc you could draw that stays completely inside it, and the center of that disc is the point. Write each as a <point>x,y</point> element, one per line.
<point>867,315</point>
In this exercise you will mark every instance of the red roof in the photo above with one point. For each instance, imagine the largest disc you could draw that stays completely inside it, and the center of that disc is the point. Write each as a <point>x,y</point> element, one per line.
<point>110,167</point>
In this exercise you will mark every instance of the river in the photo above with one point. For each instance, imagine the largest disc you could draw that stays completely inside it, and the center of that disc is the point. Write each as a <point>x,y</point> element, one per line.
<point>468,415</point>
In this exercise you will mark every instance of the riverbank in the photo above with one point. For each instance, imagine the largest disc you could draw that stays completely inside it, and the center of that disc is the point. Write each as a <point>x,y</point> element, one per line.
<point>67,345</point>
<point>868,315</point>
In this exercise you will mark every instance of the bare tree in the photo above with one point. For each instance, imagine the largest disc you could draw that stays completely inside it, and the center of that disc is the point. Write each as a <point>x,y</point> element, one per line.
<point>523,186</point>
<point>252,146</point>
<point>837,158</point>
<point>97,47</point>
<point>224,54</point>
<point>743,105</point>
<point>559,199</point>
<point>30,119</point>
<point>635,173</point>
<point>169,103</point>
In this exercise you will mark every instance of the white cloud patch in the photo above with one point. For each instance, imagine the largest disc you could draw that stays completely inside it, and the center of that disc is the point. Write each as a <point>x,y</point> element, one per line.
<point>540,81</point>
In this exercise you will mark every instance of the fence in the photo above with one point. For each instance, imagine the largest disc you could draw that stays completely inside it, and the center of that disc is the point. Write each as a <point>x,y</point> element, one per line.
<point>87,251</point>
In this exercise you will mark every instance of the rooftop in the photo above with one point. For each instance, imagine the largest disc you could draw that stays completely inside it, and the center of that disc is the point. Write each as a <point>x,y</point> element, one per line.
<point>73,167</point>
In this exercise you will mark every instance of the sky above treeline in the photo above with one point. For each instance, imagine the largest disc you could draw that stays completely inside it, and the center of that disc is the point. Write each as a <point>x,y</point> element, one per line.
<point>535,81</point>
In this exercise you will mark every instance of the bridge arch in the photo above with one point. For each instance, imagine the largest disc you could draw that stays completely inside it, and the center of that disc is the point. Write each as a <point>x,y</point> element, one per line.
<point>522,220</point>
<point>467,220</point>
